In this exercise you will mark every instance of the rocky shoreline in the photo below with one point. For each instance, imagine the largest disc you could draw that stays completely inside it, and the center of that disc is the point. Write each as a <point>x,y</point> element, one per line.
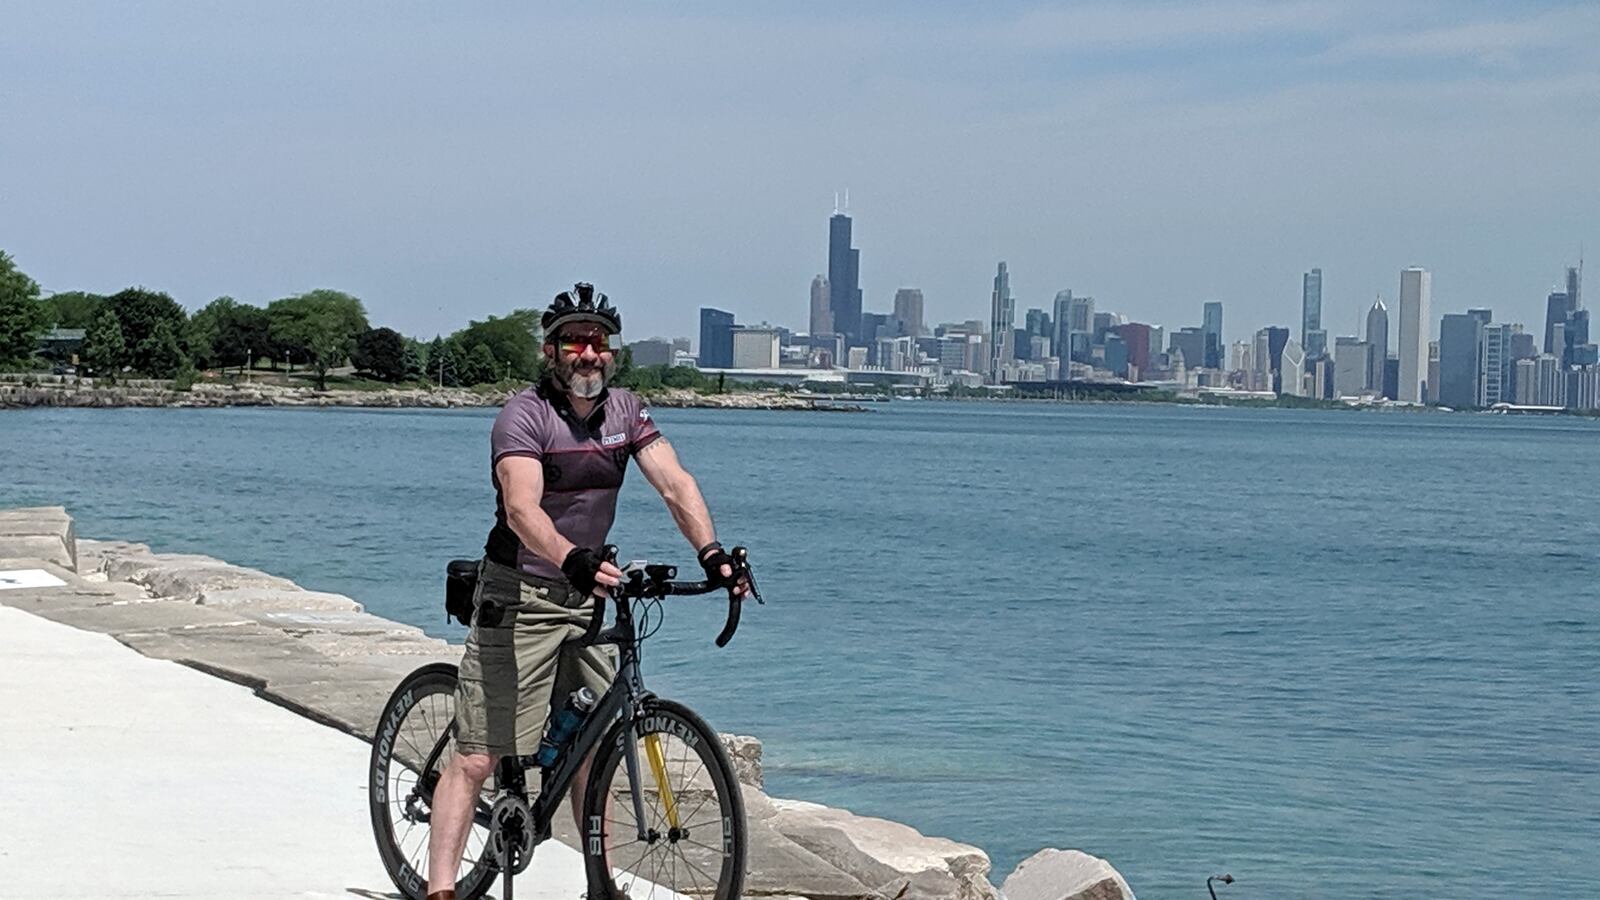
<point>64,391</point>
<point>323,656</point>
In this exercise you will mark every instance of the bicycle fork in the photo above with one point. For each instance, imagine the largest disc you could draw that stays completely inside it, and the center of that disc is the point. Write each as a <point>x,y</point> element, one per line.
<point>658,769</point>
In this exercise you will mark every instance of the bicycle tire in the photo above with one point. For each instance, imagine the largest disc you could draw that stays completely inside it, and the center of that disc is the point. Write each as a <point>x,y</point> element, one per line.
<point>419,711</point>
<point>619,865</point>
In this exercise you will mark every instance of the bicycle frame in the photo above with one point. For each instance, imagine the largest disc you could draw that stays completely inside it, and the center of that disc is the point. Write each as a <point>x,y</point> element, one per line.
<point>621,701</point>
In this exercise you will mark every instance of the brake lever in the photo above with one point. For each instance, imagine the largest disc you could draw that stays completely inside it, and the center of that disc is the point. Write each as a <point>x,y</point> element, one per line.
<point>741,557</point>
<point>608,553</point>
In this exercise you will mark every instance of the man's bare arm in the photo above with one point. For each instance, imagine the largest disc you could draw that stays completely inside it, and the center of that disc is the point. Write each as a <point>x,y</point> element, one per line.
<point>677,487</point>
<point>522,486</point>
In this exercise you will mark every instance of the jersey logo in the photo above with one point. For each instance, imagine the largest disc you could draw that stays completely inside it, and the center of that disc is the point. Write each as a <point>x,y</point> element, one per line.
<point>644,415</point>
<point>611,440</point>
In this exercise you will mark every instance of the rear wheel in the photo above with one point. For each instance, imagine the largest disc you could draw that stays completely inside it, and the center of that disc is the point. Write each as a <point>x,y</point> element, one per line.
<point>693,838</point>
<point>413,744</point>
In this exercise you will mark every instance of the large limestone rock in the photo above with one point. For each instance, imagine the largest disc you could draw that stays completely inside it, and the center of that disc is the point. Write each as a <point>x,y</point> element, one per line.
<point>745,753</point>
<point>1065,875</point>
<point>39,532</point>
<point>894,860</point>
<point>289,598</point>
<point>185,576</point>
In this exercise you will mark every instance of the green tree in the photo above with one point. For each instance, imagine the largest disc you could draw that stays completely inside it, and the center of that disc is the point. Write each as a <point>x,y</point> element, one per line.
<point>318,328</point>
<point>103,347</point>
<point>205,329</point>
<point>480,366</point>
<point>513,339</point>
<point>72,309</point>
<point>381,351</point>
<point>415,361</point>
<point>21,316</point>
<point>140,312</point>
<point>160,355</point>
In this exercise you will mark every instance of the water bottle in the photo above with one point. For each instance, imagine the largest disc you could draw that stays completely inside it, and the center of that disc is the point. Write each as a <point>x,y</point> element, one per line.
<point>564,726</point>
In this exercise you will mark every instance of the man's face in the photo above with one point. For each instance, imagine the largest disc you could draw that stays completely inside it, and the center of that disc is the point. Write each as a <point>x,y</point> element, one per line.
<point>583,360</point>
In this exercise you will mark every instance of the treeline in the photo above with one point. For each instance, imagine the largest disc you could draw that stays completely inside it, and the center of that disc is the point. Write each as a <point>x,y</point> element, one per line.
<point>144,332</point>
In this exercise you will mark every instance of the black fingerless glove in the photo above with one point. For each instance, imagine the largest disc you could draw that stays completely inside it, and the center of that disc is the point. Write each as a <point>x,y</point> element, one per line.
<point>580,567</point>
<point>712,559</point>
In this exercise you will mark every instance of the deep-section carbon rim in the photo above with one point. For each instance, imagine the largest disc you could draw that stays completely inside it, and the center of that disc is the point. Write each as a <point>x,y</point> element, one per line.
<point>418,714</point>
<point>695,830</point>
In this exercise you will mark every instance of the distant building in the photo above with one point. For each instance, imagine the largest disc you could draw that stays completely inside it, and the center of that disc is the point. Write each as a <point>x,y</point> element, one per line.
<point>1352,367</point>
<point>1291,369</point>
<point>652,352</point>
<point>1211,326</point>
<point>1555,317</point>
<point>1082,321</point>
<point>1314,339</point>
<point>1461,361</point>
<point>1430,386</point>
<point>1061,325</point>
<point>1191,342</point>
<point>1552,390</point>
<point>1583,388</point>
<point>716,338</point>
<point>1416,289</point>
<point>1378,338</point>
<point>1036,322</point>
<point>1526,379</point>
<point>1497,363</point>
<point>908,313</point>
<point>1136,340</point>
<point>1524,345</point>
<point>755,348</point>
<point>821,314</point>
<point>1002,320</point>
<point>1391,378</point>
<point>1116,355</point>
<point>844,279</point>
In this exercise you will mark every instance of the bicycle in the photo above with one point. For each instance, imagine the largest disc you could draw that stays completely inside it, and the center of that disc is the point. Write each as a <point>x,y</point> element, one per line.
<point>679,814</point>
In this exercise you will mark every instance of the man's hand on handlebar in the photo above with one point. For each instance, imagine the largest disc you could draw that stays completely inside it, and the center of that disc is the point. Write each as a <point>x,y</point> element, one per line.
<point>590,573</point>
<point>720,568</point>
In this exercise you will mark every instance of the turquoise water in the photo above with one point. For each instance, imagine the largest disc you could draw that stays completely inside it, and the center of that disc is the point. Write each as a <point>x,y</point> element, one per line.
<point>1333,653</point>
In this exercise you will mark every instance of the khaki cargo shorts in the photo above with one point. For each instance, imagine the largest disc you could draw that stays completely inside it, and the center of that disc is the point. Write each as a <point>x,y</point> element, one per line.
<point>522,654</point>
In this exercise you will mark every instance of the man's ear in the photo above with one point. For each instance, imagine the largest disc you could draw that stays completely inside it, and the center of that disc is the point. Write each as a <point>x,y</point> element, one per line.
<point>550,352</point>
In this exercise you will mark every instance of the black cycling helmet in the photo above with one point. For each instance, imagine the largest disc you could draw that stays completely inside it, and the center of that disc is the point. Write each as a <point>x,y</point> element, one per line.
<point>581,304</point>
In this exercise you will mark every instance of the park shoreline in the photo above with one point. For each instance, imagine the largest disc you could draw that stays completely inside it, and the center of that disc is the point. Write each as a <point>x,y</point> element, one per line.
<point>66,391</point>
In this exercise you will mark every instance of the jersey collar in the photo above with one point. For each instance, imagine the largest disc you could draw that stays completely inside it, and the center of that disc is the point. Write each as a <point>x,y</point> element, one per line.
<point>556,396</point>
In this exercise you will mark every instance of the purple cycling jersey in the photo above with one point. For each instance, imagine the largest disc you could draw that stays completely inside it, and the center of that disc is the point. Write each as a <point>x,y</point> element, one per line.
<point>584,461</point>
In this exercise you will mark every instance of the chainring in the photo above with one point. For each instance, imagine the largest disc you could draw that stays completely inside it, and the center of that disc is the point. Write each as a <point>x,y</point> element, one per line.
<point>511,822</point>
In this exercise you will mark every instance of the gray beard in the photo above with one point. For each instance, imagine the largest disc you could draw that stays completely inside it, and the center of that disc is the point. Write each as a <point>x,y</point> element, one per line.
<point>585,386</point>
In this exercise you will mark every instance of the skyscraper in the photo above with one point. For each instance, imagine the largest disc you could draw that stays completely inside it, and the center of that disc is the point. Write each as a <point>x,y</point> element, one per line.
<point>1061,325</point>
<point>1574,285</point>
<point>844,281</point>
<point>821,313</point>
<point>1352,366</point>
<point>1498,363</point>
<point>1555,315</point>
<point>1292,370</point>
<point>1002,320</point>
<point>1378,338</point>
<point>1416,289</point>
<point>716,338</point>
<point>1311,333</point>
<point>1211,325</point>
<point>1460,361</point>
<point>908,312</point>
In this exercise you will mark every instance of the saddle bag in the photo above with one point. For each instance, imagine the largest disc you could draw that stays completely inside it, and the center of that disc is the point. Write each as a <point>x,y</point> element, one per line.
<point>460,584</point>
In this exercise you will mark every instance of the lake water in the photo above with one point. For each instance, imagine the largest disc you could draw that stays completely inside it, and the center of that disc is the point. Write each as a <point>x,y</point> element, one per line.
<point>1335,654</point>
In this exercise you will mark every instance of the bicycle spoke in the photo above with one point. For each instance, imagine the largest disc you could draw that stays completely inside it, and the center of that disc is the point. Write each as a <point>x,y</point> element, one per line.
<point>688,863</point>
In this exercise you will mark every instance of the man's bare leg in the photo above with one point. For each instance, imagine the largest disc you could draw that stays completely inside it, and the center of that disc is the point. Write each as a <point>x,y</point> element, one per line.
<point>454,800</point>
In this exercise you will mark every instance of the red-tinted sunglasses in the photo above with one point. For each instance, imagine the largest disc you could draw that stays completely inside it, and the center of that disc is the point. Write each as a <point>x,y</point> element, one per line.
<point>575,344</point>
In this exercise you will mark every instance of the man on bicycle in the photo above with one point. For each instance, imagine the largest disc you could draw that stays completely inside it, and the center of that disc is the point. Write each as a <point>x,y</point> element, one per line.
<point>558,453</point>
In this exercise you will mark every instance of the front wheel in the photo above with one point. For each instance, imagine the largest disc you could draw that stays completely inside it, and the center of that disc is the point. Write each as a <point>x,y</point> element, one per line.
<point>692,837</point>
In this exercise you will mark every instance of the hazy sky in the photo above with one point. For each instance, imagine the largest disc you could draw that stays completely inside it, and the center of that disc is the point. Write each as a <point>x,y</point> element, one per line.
<point>448,161</point>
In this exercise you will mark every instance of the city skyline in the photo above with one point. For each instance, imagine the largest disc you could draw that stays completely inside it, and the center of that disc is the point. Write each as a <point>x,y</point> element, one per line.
<point>1156,156</point>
